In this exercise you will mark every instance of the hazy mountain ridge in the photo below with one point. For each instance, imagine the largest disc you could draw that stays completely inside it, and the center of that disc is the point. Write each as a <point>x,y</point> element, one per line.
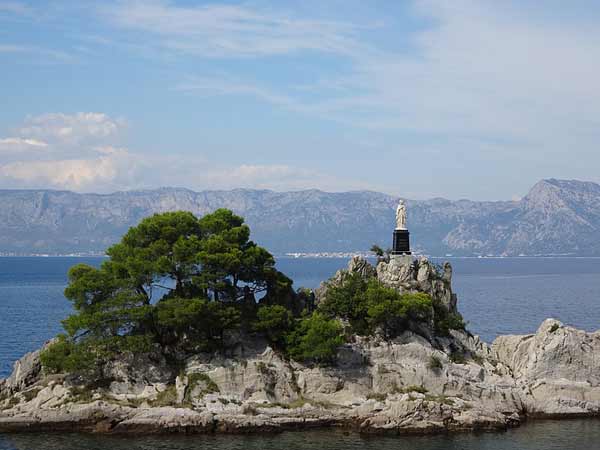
<point>556,217</point>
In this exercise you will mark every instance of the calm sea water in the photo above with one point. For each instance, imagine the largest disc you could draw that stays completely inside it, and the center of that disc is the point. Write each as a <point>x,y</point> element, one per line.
<point>549,435</point>
<point>496,296</point>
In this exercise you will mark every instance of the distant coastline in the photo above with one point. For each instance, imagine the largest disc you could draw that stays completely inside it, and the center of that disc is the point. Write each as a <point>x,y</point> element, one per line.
<point>308,255</point>
<point>313,222</point>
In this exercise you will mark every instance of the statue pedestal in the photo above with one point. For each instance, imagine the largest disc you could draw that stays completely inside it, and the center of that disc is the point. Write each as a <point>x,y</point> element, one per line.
<point>401,242</point>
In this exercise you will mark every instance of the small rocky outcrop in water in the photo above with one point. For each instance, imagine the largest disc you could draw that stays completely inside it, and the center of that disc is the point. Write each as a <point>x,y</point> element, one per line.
<point>558,368</point>
<point>403,273</point>
<point>407,384</point>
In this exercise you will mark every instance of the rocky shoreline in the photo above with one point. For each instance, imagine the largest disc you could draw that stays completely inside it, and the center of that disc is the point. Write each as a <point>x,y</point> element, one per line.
<point>415,383</point>
<point>375,387</point>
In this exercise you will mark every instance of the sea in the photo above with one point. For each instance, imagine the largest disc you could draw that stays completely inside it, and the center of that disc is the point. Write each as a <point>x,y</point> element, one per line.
<point>495,295</point>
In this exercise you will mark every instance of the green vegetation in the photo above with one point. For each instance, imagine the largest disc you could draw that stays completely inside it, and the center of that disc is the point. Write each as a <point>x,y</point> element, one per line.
<point>370,306</point>
<point>168,397</point>
<point>378,396</point>
<point>179,284</point>
<point>275,321</point>
<point>377,250</point>
<point>66,356</point>
<point>445,320</point>
<point>413,388</point>
<point>435,363</point>
<point>380,252</point>
<point>172,280</point>
<point>81,395</point>
<point>315,338</point>
<point>299,403</point>
<point>458,357</point>
<point>554,327</point>
<point>443,399</point>
<point>208,386</point>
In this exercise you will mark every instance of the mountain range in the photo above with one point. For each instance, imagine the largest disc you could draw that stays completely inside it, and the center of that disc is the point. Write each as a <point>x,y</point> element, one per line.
<point>556,217</point>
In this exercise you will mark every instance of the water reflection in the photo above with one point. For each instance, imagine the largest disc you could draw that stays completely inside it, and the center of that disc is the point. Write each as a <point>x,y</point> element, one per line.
<point>544,435</point>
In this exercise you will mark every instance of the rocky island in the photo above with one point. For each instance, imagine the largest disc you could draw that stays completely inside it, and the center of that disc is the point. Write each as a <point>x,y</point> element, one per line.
<point>229,347</point>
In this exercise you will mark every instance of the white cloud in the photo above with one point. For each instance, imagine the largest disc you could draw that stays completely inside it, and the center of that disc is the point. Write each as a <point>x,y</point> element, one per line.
<point>487,71</point>
<point>65,151</point>
<point>76,174</point>
<point>71,128</point>
<point>228,86</point>
<point>230,30</point>
<point>79,154</point>
<point>118,169</point>
<point>17,144</point>
<point>278,177</point>
<point>477,71</point>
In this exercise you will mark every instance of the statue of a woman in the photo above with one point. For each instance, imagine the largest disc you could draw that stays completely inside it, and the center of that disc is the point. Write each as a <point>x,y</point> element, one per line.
<point>401,216</point>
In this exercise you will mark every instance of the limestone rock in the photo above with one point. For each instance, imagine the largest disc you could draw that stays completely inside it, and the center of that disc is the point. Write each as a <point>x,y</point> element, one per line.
<point>409,384</point>
<point>403,273</point>
<point>357,264</point>
<point>408,275</point>
<point>25,371</point>
<point>361,266</point>
<point>558,367</point>
<point>166,419</point>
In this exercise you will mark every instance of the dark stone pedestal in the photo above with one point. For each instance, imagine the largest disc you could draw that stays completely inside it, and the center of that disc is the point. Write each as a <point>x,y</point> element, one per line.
<point>401,243</point>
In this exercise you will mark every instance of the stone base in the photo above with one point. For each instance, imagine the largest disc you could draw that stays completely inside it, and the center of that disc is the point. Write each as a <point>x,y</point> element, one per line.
<point>401,245</point>
<point>402,259</point>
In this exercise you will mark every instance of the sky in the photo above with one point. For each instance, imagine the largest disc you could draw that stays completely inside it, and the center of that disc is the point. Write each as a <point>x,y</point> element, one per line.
<point>421,99</point>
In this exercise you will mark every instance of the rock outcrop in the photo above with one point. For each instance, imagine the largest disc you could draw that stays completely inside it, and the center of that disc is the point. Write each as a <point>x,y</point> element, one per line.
<point>405,385</point>
<point>407,275</point>
<point>415,383</point>
<point>558,368</point>
<point>25,371</point>
<point>403,273</point>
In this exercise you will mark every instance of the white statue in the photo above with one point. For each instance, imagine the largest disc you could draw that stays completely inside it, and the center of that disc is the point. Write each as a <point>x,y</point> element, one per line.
<point>401,216</point>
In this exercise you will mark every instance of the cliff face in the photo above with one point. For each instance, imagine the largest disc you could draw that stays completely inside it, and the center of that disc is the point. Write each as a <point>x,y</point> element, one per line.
<point>556,217</point>
<point>413,383</point>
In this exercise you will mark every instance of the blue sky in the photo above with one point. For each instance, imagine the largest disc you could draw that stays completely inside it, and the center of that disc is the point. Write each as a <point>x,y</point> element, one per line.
<point>461,99</point>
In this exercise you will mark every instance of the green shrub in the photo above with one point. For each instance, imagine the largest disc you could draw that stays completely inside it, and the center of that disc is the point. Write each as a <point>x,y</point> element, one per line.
<point>315,338</point>
<point>201,379</point>
<point>413,388</point>
<point>443,399</point>
<point>457,357</point>
<point>435,363</point>
<point>203,322</point>
<point>81,394</point>
<point>444,320</point>
<point>391,312</point>
<point>168,397</point>
<point>554,327</point>
<point>378,396</point>
<point>275,321</point>
<point>347,301</point>
<point>377,250</point>
<point>369,306</point>
<point>65,356</point>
